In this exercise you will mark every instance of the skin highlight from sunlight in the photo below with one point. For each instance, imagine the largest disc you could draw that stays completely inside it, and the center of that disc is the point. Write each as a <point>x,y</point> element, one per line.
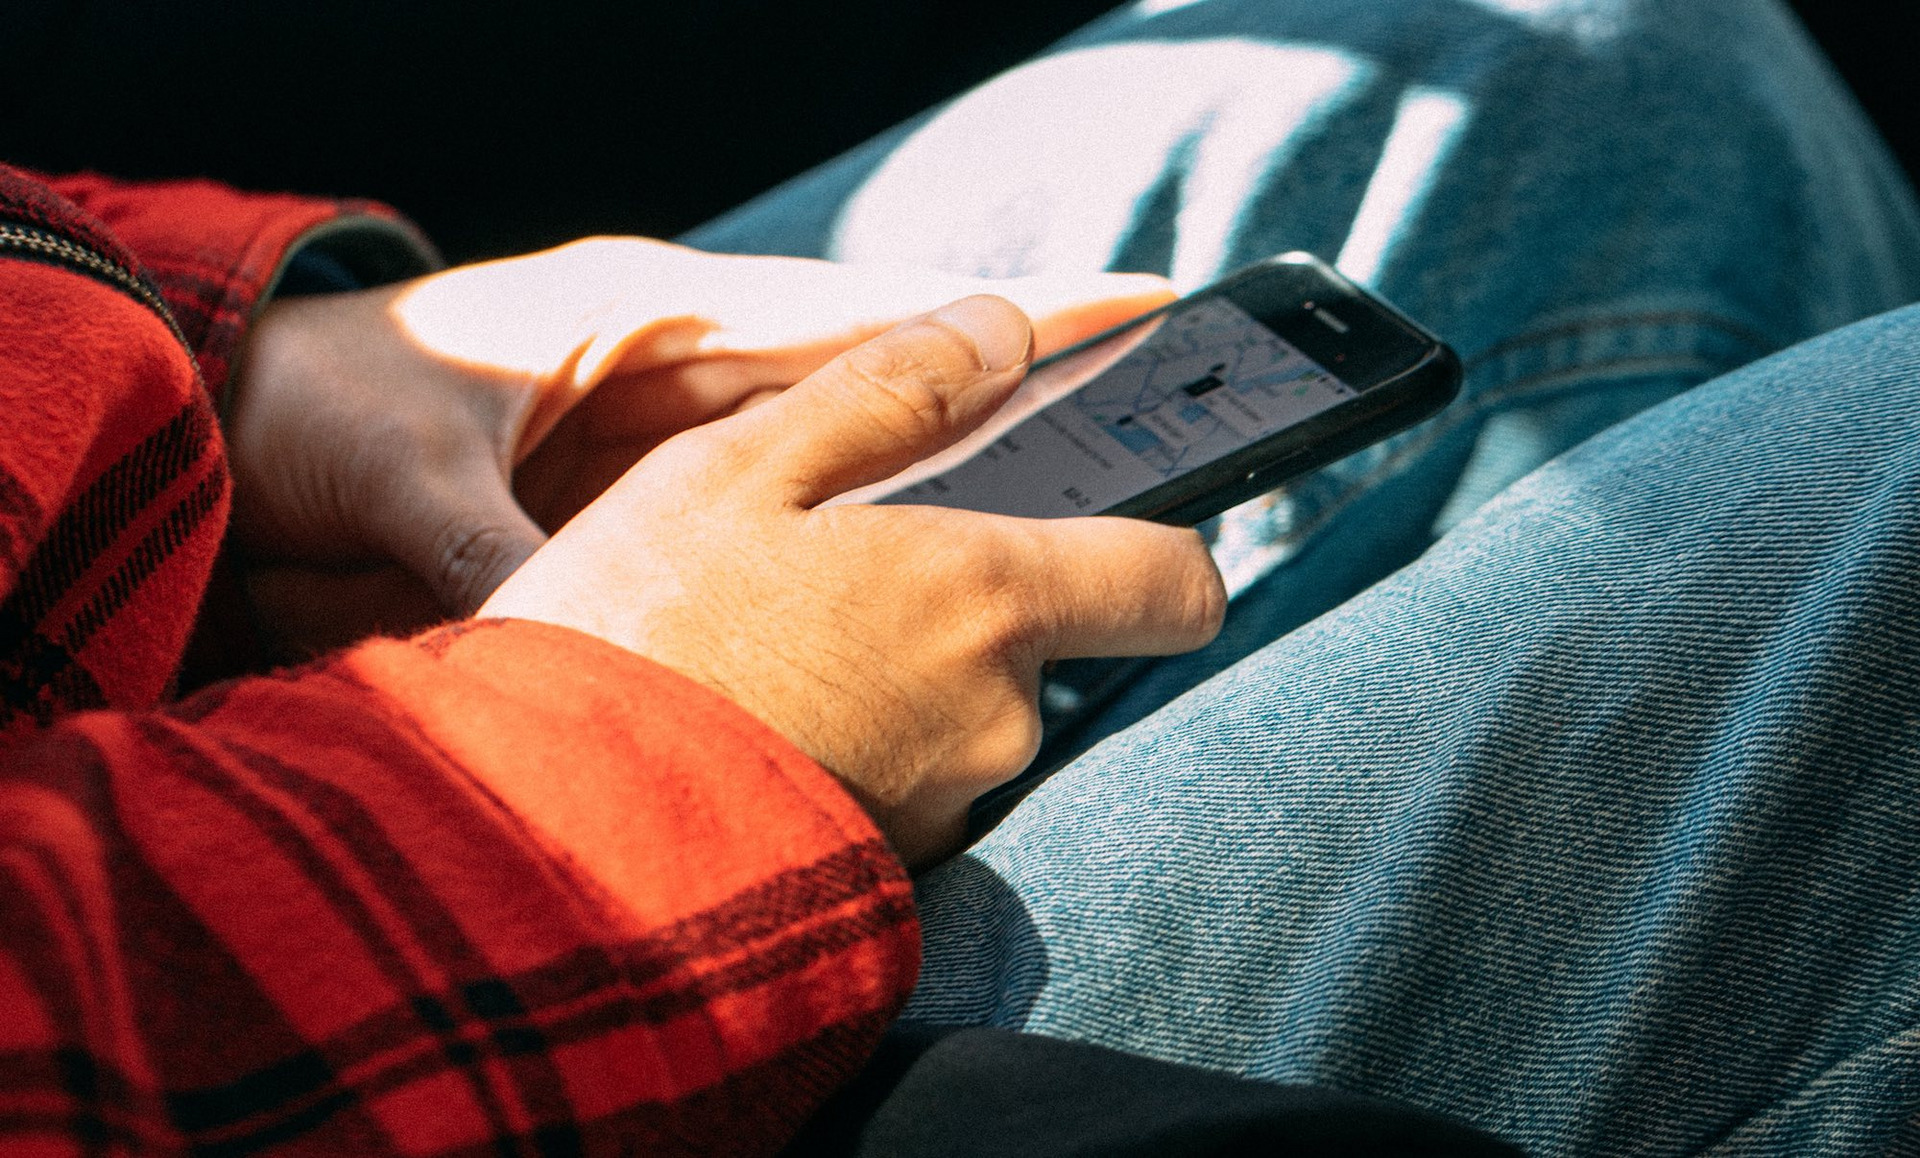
<point>723,326</point>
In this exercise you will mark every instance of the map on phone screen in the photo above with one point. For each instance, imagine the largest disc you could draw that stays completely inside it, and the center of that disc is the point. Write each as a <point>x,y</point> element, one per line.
<point>1099,426</point>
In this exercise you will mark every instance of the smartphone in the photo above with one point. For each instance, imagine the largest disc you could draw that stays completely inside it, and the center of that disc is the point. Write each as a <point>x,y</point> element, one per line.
<point>1213,399</point>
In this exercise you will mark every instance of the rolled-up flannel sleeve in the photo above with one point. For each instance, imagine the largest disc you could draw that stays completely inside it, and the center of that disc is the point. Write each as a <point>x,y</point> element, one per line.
<point>502,887</point>
<point>297,912</point>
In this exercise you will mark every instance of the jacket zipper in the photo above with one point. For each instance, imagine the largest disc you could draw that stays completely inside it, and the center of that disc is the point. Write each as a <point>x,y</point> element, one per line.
<point>42,245</point>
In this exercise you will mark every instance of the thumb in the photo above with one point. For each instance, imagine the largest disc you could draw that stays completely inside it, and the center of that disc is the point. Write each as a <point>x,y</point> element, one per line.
<point>890,401</point>
<point>463,534</point>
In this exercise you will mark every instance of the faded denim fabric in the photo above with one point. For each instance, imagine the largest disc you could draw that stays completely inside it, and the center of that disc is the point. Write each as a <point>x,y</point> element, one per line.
<point>1598,824</point>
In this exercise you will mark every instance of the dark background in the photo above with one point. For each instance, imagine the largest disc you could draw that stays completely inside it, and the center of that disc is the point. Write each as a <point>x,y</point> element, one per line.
<point>502,127</point>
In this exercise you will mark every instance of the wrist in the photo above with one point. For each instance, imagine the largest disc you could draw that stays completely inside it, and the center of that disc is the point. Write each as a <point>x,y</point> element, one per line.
<point>349,252</point>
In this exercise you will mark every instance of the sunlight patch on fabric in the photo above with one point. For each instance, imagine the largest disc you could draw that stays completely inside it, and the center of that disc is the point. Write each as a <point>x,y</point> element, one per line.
<point>1045,167</point>
<point>1424,130</point>
<point>1156,7</point>
<point>1583,19</point>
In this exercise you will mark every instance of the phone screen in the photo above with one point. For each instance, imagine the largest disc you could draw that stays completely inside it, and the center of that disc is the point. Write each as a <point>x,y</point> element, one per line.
<point>1102,424</point>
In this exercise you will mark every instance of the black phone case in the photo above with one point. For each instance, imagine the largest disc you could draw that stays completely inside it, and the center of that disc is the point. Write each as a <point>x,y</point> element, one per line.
<point>1386,408</point>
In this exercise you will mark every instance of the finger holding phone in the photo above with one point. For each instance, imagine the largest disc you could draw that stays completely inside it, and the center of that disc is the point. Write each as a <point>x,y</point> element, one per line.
<point>899,645</point>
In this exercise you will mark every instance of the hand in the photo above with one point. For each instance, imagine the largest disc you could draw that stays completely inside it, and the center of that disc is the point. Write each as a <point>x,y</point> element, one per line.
<point>899,646</point>
<point>384,427</point>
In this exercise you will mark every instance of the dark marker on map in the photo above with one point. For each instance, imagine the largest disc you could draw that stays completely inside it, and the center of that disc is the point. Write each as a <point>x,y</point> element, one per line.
<point>1205,385</point>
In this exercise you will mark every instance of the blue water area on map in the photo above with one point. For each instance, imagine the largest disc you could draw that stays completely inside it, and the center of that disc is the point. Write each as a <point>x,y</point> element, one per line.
<point>1133,436</point>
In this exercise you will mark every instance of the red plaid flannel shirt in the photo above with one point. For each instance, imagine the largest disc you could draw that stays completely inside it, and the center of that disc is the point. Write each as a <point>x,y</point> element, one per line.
<point>284,913</point>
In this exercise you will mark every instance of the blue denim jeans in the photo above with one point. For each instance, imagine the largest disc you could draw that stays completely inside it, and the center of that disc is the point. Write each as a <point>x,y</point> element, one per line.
<point>1558,765</point>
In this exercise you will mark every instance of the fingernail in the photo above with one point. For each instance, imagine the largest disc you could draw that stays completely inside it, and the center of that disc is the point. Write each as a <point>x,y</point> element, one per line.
<point>999,330</point>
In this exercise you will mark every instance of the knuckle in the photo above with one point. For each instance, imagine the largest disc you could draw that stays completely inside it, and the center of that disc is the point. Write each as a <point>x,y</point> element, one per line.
<point>1212,613</point>
<point>1202,599</point>
<point>1008,741</point>
<point>1205,610</point>
<point>1203,576</point>
<point>1001,607</point>
<point>472,561</point>
<point>695,460</point>
<point>901,385</point>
